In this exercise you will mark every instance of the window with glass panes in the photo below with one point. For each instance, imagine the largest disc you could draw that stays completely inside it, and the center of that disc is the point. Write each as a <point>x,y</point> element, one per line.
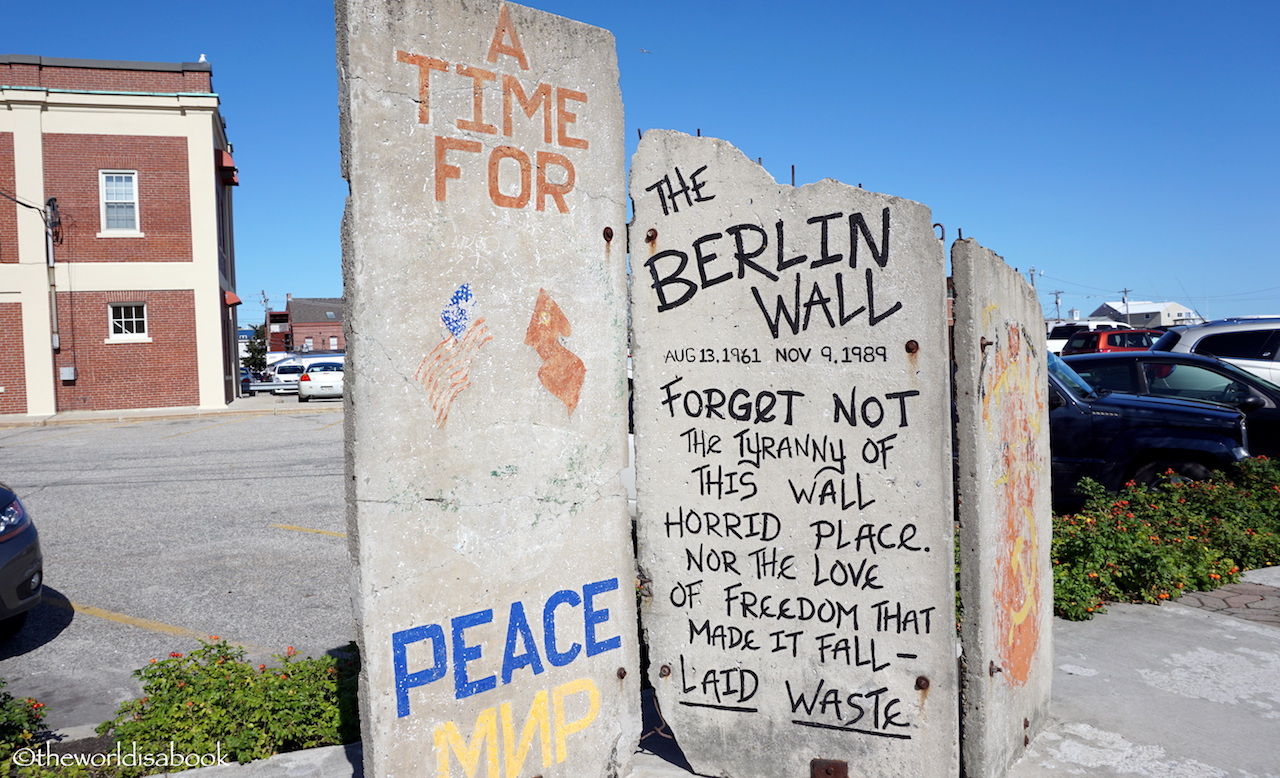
<point>119,200</point>
<point>128,319</point>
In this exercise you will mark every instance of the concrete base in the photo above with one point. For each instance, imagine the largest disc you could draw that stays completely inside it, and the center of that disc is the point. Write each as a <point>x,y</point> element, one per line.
<point>1161,691</point>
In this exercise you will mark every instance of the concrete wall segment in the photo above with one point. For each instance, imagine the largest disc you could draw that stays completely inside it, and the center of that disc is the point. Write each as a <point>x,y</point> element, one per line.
<point>797,560</point>
<point>485,322</point>
<point>1003,472</point>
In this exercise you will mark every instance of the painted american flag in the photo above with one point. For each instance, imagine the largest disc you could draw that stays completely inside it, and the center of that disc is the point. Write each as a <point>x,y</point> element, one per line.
<point>444,372</point>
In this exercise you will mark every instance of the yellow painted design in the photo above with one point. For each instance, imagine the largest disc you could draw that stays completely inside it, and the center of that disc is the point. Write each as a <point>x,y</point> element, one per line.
<point>293,528</point>
<point>538,722</point>
<point>566,728</point>
<point>544,722</point>
<point>484,742</point>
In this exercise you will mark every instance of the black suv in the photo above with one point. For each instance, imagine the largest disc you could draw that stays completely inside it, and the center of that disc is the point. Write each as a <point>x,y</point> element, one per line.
<point>1113,437</point>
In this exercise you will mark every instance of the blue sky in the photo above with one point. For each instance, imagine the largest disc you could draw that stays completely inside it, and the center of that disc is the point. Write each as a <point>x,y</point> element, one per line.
<point>1109,145</point>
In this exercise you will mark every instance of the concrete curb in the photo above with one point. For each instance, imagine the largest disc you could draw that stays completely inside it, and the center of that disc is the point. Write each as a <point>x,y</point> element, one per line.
<point>242,406</point>
<point>326,762</point>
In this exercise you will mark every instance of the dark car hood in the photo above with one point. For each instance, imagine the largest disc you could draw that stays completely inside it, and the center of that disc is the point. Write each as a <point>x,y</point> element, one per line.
<point>1136,406</point>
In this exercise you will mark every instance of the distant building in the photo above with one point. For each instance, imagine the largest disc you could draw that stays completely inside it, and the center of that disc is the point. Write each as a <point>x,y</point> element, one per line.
<point>315,324</point>
<point>244,335</point>
<point>306,324</point>
<point>1144,313</point>
<point>130,163</point>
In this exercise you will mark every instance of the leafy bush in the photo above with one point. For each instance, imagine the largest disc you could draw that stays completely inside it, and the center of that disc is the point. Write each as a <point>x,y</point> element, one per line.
<point>213,698</point>
<point>19,722</point>
<point>1150,544</point>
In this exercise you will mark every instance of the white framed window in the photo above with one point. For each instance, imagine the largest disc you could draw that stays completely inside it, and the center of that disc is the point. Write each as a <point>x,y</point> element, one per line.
<point>127,323</point>
<point>307,344</point>
<point>333,342</point>
<point>118,200</point>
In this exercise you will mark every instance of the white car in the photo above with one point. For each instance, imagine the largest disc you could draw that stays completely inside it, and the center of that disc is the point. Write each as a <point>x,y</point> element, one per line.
<point>1060,334</point>
<point>287,376</point>
<point>1249,343</point>
<point>322,379</point>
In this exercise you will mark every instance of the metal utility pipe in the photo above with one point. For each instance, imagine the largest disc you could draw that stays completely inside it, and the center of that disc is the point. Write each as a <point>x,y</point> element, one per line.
<point>52,220</point>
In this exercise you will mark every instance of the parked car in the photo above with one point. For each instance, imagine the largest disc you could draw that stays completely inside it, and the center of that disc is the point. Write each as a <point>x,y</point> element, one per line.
<point>1190,377</point>
<point>287,375</point>
<point>1250,343</point>
<point>322,379</point>
<point>1059,335</point>
<point>21,564</point>
<point>1113,437</point>
<point>1104,341</point>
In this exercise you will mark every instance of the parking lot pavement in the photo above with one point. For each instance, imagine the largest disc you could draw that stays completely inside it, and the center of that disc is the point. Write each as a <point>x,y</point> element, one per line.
<point>158,530</point>
<point>260,403</point>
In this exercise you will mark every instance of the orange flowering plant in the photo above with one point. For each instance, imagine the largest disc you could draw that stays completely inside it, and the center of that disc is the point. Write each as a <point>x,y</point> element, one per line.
<point>20,722</point>
<point>1148,544</point>
<point>213,696</point>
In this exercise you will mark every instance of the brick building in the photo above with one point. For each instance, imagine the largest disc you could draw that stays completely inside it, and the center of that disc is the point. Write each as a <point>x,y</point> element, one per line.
<point>315,324</point>
<point>306,324</point>
<point>129,164</point>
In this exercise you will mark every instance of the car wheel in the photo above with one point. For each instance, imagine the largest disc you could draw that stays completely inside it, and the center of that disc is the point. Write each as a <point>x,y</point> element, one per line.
<point>11,626</point>
<point>1152,473</point>
<point>302,399</point>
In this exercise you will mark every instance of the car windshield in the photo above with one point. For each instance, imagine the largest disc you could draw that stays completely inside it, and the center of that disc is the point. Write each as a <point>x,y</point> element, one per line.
<point>1070,378</point>
<point>1167,341</point>
<point>288,369</point>
<point>1245,377</point>
<point>1064,331</point>
<point>325,367</point>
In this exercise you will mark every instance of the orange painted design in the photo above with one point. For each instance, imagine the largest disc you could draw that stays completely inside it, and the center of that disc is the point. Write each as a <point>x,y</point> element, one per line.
<point>444,170</point>
<point>562,373</point>
<point>545,187</point>
<point>443,372</point>
<point>1011,404</point>
<point>506,30</point>
<point>521,199</point>
<point>425,65</point>
<point>478,76</point>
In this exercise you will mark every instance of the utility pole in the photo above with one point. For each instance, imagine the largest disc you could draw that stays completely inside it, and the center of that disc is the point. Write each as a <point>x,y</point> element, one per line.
<point>1125,299</point>
<point>1057,303</point>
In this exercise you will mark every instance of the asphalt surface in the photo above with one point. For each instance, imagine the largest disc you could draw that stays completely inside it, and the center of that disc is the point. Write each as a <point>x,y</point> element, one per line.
<point>159,528</point>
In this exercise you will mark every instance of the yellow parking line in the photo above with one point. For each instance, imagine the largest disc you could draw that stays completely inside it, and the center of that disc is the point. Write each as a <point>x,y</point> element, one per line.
<point>141,623</point>
<point>211,426</point>
<point>308,529</point>
<point>327,426</point>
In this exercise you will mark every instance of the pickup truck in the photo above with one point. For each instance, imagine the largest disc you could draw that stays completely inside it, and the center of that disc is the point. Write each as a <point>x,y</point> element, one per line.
<point>1113,437</point>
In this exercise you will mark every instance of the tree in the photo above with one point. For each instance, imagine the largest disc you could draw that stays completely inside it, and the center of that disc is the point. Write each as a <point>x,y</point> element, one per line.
<point>256,356</point>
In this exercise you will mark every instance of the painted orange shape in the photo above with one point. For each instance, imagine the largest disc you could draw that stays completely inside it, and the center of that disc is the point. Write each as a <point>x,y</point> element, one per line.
<point>1009,385</point>
<point>562,372</point>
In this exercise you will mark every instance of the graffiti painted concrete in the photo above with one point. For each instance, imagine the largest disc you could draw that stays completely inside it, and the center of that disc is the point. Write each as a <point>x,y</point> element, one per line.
<point>794,475</point>
<point>1003,484</point>
<point>484,262</point>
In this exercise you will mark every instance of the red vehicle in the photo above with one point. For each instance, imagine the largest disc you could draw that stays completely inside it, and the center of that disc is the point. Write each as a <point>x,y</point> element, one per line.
<point>1103,341</point>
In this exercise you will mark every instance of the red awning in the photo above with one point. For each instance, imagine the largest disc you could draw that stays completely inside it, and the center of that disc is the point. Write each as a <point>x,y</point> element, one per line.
<point>230,298</point>
<point>226,167</point>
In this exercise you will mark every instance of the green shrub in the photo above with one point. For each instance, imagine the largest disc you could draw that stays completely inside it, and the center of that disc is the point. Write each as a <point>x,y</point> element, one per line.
<point>1150,544</point>
<point>19,722</point>
<point>212,698</point>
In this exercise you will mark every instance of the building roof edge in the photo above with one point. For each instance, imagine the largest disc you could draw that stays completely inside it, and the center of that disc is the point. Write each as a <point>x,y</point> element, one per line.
<point>104,64</point>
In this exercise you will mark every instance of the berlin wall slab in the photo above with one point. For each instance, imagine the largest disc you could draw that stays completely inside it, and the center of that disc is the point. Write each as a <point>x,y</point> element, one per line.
<point>793,452</point>
<point>484,260</point>
<point>1006,582</point>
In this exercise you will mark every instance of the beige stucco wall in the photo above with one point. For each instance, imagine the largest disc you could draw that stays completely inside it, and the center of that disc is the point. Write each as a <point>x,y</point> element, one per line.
<point>28,113</point>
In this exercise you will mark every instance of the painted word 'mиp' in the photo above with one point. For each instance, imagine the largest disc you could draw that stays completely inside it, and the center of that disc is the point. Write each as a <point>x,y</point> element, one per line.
<point>452,648</point>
